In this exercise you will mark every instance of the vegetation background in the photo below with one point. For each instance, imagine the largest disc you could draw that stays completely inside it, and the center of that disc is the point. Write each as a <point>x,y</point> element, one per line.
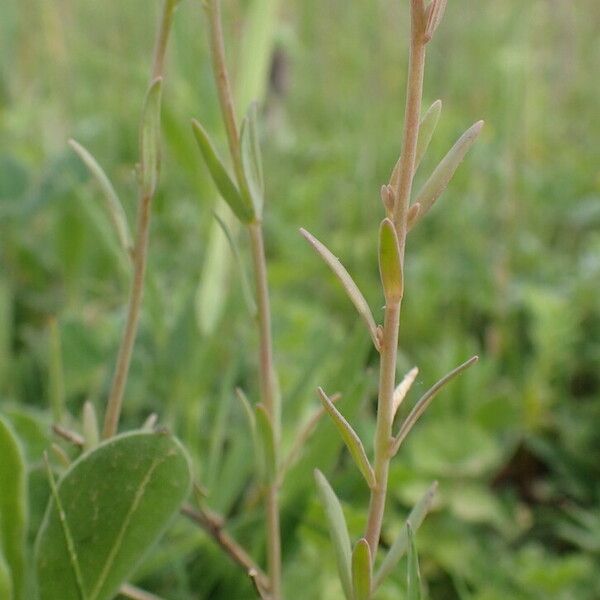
<point>506,266</point>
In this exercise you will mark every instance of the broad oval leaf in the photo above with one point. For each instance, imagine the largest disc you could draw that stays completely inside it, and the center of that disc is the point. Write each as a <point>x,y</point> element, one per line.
<point>150,139</point>
<point>400,545</point>
<point>13,508</point>
<point>114,503</point>
<point>443,173</point>
<point>347,282</point>
<point>362,570</point>
<point>252,160</point>
<point>351,439</point>
<point>338,532</point>
<point>390,265</point>
<point>227,188</point>
<point>113,205</point>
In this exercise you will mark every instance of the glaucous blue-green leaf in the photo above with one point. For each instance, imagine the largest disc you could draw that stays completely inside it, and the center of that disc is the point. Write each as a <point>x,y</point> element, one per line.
<point>150,139</point>
<point>113,504</point>
<point>13,508</point>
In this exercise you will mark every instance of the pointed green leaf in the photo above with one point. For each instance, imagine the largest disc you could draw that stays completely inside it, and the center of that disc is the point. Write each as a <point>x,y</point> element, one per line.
<point>347,282</point>
<point>443,173</point>
<point>351,439</point>
<point>252,160</point>
<point>338,532</point>
<point>114,207</point>
<point>424,402</point>
<point>227,188</point>
<point>390,265</point>
<point>150,139</point>
<point>400,545</point>
<point>426,130</point>
<point>111,505</point>
<point>413,576</point>
<point>13,507</point>
<point>362,570</point>
<point>6,587</point>
<point>91,434</point>
<point>267,439</point>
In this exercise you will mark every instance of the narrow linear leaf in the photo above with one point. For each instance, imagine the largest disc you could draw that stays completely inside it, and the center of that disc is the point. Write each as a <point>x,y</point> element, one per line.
<point>245,281</point>
<point>424,402</point>
<point>251,421</point>
<point>400,545</point>
<point>338,532</point>
<point>112,504</point>
<point>403,388</point>
<point>362,570</point>
<point>413,583</point>
<point>150,139</point>
<point>227,188</point>
<point>390,265</point>
<point>443,173</point>
<point>427,128</point>
<point>13,507</point>
<point>91,435</point>
<point>113,205</point>
<point>351,439</point>
<point>434,13</point>
<point>347,282</point>
<point>252,160</point>
<point>267,438</point>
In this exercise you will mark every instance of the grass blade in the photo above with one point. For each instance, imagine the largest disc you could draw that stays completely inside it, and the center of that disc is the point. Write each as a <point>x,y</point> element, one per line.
<point>413,576</point>
<point>150,139</point>
<point>362,570</point>
<point>390,264</point>
<point>443,173</point>
<point>400,545</point>
<point>347,282</point>
<point>351,439</point>
<point>113,205</point>
<point>338,532</point>
<point>225,185</point>
<point>425,400</point>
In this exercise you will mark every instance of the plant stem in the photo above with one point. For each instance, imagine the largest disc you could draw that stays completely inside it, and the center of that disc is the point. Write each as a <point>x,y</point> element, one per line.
<point>389,347</point>
<point>140,255</point>
<point>270,399</point>
<point>135,593</point>
<point>213,525</point>
<point>385,418</point>
<point>266,371</point>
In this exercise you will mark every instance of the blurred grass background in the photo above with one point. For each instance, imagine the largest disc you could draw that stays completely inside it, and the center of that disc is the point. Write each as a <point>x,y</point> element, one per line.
<point>507,266</point>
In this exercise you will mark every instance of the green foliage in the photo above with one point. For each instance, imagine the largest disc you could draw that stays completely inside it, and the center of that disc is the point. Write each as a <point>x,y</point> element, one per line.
<point>110,506</point>
<point>13,512</point>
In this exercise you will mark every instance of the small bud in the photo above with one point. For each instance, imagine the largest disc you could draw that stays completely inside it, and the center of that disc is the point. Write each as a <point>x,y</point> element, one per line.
<point>413,214</point>
<point>388,197</point>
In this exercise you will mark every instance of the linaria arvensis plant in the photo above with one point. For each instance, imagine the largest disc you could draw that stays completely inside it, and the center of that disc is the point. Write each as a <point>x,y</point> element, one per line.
<point>116,498</point>
<point>244,193</point>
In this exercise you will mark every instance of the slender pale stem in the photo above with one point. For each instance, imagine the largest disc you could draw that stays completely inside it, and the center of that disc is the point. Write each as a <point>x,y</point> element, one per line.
<point>266,371</point>
<point>385,419</point>
<point>389,347</point>
<point>140,254</point>
<point>213,525</point>
<point>270,399</point>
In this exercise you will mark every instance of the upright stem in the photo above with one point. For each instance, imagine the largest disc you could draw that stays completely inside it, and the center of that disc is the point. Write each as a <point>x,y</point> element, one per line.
<point>266,371</point>
<point>385,418</point>
<point>402,186</point>
<point>140,254</point>
<point>270,399</point>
